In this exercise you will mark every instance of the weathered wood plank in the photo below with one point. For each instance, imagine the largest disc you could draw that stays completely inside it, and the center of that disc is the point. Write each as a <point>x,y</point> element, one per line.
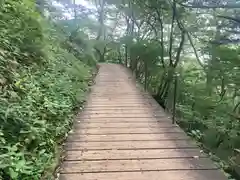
<point>143,130</point>
<point>155,144</point>
<point>136,165</point>
<point>127,137</point>
<point>124,125</point>
<point>133,154</point>
<point>122,115</point>
<point>146,175</point>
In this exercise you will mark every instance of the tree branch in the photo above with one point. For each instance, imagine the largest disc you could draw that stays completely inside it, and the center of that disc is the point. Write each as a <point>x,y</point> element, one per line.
<point>229,18</point>
<point>235,108</point>
<point>227,6</point>
<point>171,33</point>
<point>162,44</point>
<point>179,49</point>
<point>181,26</point>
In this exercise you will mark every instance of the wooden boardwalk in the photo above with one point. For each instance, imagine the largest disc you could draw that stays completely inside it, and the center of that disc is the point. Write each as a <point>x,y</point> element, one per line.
<point>123,134</point>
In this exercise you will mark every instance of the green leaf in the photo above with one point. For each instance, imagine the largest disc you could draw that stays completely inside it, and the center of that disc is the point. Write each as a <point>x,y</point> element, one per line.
<point>13,173</point>
<point>20,164</point>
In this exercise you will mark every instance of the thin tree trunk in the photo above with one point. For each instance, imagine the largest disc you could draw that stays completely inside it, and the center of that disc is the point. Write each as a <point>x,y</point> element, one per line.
<point>236,107</point>
<point>211,62</point>
<point>126,55</point>
<point>101,20</point>
<point>180,48</point>
<point>162,39</point>
<point>161,83</point>
<point>168,81</point>
<point>75,11</point>
<point>102,58</point>
<point>146,75</point>
<point>175,99</point>
<point>119,57</point>
<point>171,33</point>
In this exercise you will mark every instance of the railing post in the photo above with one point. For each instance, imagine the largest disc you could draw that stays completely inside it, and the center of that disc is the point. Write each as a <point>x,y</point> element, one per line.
<point>175,98</point>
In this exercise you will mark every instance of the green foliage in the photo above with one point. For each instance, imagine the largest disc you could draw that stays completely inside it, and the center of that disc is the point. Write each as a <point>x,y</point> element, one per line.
<point>211,118</point>
<point>41,84</point>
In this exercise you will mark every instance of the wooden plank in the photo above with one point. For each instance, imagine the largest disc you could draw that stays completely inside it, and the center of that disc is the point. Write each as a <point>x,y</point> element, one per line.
<point>129,105</point>
<point>132,98</point>
<point>127,101</point>
<point>80,120</point>
<point>124,101</point>
<point>117,98</point>
<point>121,96</point>
<point>122,115</point>
<point>143,130</point>
<point>130,145</point>
<point>117,111</point>
<point>135,106</point>
<point>136,165</point>
<point>133,154</point>
<point>122,105</point>
<point>129,92</point>
<point>139,98</point>
<point>128,137</point>
<point>122,109</point>
<point>146,175</point>
<point>124,125</point>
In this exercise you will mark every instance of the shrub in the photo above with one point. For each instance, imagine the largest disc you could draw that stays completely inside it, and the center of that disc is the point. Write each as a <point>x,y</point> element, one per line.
<point>41,83</point>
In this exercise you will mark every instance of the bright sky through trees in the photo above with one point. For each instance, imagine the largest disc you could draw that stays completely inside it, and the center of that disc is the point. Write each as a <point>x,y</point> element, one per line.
<point>84,3</point>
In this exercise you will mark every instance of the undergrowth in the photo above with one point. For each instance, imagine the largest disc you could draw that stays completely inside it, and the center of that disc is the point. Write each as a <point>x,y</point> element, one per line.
<point>41,83</point>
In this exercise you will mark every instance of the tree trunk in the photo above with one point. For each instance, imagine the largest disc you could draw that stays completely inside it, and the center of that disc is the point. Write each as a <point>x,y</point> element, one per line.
<point>102,57</point>
<point>168,81</point>
<point>101,20</point>
<point>146,76</point>
<point>75,11</point>
<point>236,107</point>
<point>161,82</point>
<point>171,40</point>
<point>175,99</point>
<point>212,62</point>
<point>119,57</point>
<point>162,38</point>
<point>126,55</point>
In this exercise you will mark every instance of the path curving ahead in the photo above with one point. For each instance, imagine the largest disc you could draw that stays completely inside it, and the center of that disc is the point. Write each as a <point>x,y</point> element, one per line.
<point>123,134</point>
